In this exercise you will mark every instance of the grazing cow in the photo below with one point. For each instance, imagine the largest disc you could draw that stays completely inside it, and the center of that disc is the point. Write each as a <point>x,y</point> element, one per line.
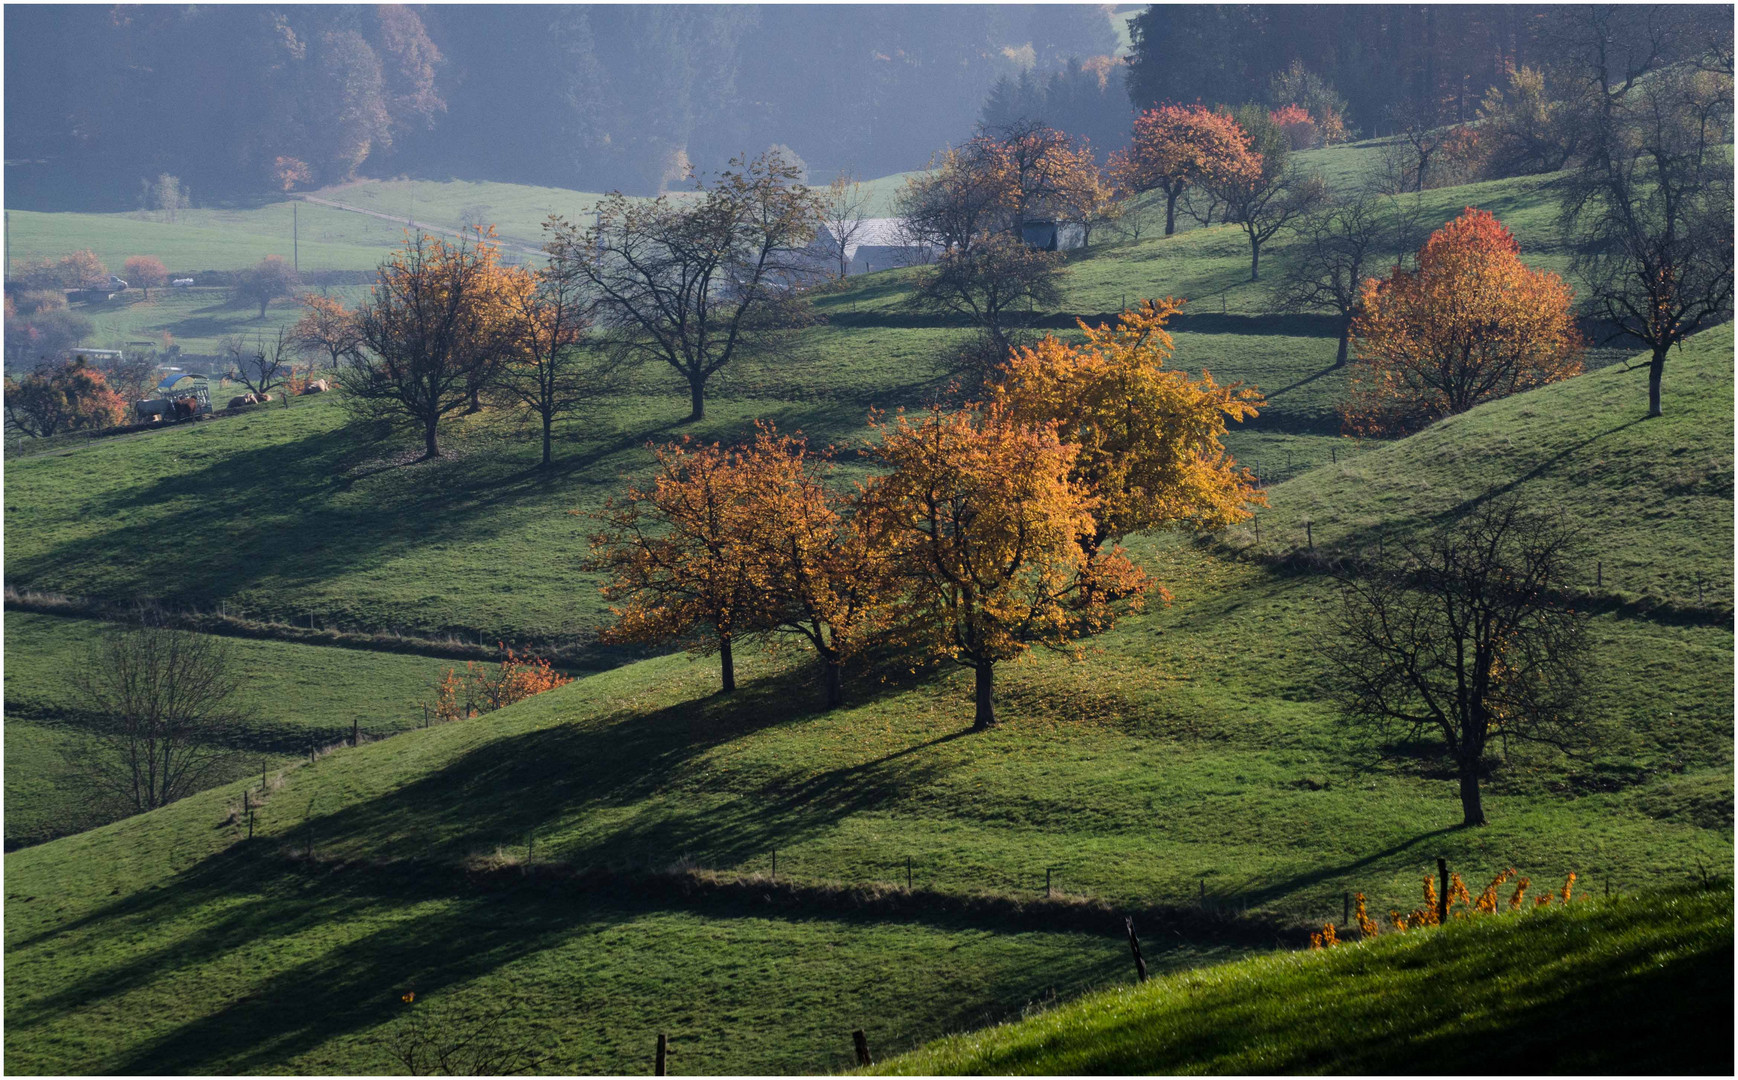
<point>263,398</point>
<point>238,402</point>
<point>318,386</point>
<point>186,407</point>
<point>150,410</point>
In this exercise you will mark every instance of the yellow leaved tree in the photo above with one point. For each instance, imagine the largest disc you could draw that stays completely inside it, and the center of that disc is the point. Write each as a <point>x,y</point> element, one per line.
<point>1148,438</point>
<point>983,522</point>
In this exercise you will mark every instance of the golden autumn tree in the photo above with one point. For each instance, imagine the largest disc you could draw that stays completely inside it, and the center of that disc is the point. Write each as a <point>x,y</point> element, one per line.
<point>440,322</point>
<point>1149,438</point>
<point>1473,323</point>
<point>326,327</point>
<point>983,521</point>
<point>1176,147</point>
<point>820,569</point>
<point>678,555</point>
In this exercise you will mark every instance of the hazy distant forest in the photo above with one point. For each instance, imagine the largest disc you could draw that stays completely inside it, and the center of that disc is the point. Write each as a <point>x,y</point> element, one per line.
<point>247,99</point>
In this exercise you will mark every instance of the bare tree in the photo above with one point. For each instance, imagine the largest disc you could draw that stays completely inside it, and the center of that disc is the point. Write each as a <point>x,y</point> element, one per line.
<point>994,285</point>
<point>1337,247</point>
<point>435,1041</point>
<point>697,282</point>
<point>166,699</point>
<point>1264,201</point>
<point>1649,215</point>
<point>264,366</point>
<point>845,217</point>
<point>1464,635</point>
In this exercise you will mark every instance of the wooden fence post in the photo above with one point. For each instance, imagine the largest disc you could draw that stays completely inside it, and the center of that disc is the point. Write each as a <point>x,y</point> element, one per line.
<point>1346,909</point>
<point>860,1042</point>
<point>775,866</point>
<point>908,873</point>
<point>663,1048</point>
<point>1046,883</point>
<point>1134,946</point>
<point>1442,895</point>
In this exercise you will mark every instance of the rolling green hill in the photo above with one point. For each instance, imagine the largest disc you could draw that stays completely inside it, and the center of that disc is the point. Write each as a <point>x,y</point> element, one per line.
<point>76,528</point>
<point>1652,498</point>
<point>1189,759</point>
<point>597,862</point>
<point>296,695</point>
<point>1550,991</point>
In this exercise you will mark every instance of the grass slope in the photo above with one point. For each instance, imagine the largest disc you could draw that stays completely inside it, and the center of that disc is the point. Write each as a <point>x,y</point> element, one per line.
<point>1653,498</point>
<point>1188,755</point>
<point>1634,985</point>
<point>295,694</point>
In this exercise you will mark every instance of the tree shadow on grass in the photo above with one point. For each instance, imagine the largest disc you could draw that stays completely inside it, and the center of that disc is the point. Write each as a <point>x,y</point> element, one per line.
<point>266,514</point>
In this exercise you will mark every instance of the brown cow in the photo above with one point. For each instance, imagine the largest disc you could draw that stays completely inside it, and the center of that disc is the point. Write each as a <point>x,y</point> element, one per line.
<point>318,386</point>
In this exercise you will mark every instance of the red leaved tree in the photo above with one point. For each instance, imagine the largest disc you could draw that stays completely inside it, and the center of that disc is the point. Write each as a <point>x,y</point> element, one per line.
<point>1178,146</point>
<point>1473,323</point>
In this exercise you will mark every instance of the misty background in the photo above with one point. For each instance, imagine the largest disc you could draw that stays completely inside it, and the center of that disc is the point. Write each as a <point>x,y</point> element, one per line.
<point>243,102</point>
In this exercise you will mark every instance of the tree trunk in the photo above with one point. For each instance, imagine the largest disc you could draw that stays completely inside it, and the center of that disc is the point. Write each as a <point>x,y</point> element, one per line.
<point>1655,370</point>
<point>727,661</point>
<point>986,716</point>
<point>1345,340</point>
<point>1170,213</point>
<point>697,394</point>
<point>476,405</point>
<point>833,680</point>
<point>430,448</point>
<point>548,422</point>
<point>1471,808</point>
<point>1254,258</point>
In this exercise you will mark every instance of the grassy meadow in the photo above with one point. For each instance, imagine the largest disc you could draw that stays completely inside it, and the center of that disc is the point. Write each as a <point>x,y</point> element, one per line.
<point>295,695</point>
<point>1190,760</point>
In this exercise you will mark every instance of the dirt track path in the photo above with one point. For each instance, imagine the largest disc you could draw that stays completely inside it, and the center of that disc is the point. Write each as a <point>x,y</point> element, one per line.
<point>412,223</point>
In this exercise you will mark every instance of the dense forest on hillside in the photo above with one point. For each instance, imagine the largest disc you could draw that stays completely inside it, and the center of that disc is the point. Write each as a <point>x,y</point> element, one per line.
<point>244,99</point>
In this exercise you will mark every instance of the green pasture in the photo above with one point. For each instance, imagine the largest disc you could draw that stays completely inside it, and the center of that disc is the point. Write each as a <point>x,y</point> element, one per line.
<point>293,695</point>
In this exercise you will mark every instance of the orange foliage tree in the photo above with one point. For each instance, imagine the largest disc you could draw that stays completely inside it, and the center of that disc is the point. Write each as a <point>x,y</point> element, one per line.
<point>820,568</point>
<point>144,272</point>
<point>1471,324</point>
<point>1149,438</point>
<point>551,371</point>
<point>745,542</point>
<point>1002,179</point>
<point>326,327</point>
<point>69,396</point>
<point>1178,146</point>
<point>983,522</point>
<point>678,557</point>
<point>438,326</point>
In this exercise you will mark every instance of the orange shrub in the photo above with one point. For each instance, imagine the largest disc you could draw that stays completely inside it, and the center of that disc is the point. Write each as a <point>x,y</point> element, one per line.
<point>485,688</point>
